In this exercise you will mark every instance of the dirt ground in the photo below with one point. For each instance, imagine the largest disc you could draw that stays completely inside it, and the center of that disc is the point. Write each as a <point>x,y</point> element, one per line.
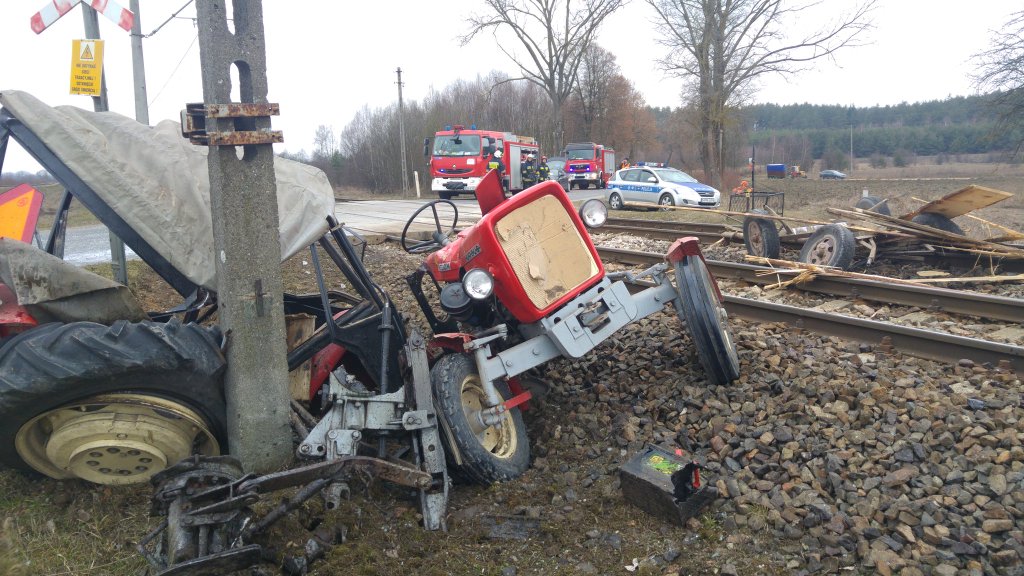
<point>51,527</point>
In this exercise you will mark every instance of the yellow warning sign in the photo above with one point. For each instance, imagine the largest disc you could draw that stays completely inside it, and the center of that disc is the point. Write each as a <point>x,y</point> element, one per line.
<point>86,67</point>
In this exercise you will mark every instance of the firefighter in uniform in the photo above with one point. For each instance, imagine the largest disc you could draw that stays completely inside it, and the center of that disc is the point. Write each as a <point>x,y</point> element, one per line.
<point>495,163</point>
<point>529,171</point>
<point>543,171</point>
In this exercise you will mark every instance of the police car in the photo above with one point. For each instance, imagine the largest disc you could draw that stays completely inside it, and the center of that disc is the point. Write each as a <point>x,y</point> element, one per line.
<point>664,186</point>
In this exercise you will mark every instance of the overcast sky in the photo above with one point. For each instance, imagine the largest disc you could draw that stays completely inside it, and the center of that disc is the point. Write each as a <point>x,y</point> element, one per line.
<point>327,59</point>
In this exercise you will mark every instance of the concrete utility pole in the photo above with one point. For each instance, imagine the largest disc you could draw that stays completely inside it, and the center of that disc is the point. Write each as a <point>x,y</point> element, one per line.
<point>139,67</point>
<point>118,263</point>
<point>401,134</point>
<point>243,198</point>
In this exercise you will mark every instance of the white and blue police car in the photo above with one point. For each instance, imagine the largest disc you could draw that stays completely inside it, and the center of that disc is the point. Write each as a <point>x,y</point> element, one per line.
<point>664,186</point>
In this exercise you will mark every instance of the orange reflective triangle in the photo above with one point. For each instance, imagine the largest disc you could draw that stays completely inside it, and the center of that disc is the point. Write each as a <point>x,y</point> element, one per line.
<point>19,212</point>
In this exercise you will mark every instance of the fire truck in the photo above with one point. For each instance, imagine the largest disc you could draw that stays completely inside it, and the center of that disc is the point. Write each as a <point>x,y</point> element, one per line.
<point>459,157</point>
<point>589,164</point>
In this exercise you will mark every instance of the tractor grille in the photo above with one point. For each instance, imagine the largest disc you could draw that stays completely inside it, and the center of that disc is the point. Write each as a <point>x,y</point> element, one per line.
<point>547,253</point>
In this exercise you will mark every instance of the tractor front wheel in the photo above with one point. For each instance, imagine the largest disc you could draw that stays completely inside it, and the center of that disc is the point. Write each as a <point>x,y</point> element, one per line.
<point>482,453</point>
<point>699,308</point>
<point>111,405</point>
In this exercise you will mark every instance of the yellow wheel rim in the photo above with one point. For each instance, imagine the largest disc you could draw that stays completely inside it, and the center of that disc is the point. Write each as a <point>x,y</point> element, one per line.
<point>113,438</point>
<point>500,439</point>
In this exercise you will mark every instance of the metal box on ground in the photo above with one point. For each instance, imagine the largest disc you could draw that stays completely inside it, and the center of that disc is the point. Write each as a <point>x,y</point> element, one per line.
<point>647,483</point>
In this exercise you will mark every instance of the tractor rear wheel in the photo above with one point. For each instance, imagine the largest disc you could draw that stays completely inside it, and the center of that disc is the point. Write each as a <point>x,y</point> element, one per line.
<point>111,405</point>
<point>482,453</point>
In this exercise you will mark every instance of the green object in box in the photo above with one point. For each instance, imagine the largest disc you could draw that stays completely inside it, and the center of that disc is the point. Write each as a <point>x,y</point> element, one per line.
<point>646,482</point>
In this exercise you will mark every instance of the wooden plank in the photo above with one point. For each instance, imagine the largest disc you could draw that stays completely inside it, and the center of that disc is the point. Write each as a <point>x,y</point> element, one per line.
<point>961,202</point>
<point>298,329</point>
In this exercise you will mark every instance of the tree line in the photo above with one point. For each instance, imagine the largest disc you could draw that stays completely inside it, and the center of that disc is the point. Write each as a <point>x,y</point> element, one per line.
<point>606,108</point>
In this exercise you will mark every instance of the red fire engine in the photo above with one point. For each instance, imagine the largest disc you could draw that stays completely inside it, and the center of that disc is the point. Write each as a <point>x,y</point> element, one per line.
<point>588,164</point>
<point>459,158</point>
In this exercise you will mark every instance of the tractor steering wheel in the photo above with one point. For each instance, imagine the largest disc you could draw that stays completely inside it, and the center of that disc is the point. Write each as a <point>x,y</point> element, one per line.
<point>439,237</point>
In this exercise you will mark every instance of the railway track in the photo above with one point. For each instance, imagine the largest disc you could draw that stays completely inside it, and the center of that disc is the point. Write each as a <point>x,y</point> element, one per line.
<point>929,344</point>
<point>928,297</point>
<point>669,231</point>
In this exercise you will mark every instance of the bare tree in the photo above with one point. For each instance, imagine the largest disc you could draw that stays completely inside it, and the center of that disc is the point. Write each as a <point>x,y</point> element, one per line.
<point>553,35</point>
<point>1001,71</point>
<point>720,47</point>
<point>597,68</point>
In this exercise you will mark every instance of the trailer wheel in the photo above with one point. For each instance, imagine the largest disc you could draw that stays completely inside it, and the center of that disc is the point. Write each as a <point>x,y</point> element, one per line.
<point>938,221</point>
<point>761,237</point>
<point>485,454</point>
<point>705,317</point>
<point>869,202</point>
<point>615,201</point>
<point>831,245</point>
<point>111,405</point>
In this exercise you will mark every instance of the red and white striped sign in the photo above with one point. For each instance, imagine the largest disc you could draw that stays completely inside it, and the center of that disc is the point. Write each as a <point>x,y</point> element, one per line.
<point>56,8</point>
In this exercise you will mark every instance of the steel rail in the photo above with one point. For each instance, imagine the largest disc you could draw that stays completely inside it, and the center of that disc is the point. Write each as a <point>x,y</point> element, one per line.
<point>669,230</point>
<point>913,341</point>
<point>932,298</point>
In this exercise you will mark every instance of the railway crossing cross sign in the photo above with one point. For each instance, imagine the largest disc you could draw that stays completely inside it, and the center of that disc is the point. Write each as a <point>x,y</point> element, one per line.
<point>54,9</point>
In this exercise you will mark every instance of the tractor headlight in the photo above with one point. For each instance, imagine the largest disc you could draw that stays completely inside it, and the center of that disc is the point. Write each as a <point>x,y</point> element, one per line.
<point>594,213</point>
<point>478,283</point>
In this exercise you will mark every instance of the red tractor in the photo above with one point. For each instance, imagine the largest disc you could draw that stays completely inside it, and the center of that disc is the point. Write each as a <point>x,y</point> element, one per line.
<point>525,285</point>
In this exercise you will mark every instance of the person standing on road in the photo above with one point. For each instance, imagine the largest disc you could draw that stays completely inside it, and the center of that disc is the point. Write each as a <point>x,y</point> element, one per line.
<point>495,163</point>
<point>529,171</point>
<point>624,164</point>
<point>543,171</point>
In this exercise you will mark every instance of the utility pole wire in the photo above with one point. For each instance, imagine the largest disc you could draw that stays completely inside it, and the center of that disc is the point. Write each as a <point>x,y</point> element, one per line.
<point>171,17</point>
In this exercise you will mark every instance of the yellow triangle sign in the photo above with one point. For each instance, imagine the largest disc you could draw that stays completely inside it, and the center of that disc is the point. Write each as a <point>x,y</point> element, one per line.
<point>19,210</point>
<point>87,51</point>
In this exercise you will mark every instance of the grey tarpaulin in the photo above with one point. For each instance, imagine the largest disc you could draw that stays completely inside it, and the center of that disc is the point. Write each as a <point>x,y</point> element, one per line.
<point>157,181</point>
<point>55,291</point>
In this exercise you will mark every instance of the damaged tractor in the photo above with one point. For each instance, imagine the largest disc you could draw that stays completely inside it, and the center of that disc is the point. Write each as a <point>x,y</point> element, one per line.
<point>525,285</point>
<point>93,387</point>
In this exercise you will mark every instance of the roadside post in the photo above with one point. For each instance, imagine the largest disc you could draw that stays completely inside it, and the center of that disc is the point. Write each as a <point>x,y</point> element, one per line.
<point>243,199</point>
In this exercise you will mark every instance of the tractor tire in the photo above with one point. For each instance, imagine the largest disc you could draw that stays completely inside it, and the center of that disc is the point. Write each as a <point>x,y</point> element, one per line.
<point>111,404</point>
<point>705,317</point>
<point>938,221</point>
<point>761,237</point>
<point>868,202</point>
<point>831,245</point>
<point>480,454</point>
<point>615,201</point>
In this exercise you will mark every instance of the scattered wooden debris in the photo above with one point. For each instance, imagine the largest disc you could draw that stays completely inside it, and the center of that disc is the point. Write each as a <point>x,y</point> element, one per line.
<point>806,272</point>
<point>961,202</point>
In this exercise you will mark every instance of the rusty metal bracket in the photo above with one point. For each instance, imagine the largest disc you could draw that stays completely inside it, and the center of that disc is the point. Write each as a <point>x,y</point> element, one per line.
<point>195,116</point>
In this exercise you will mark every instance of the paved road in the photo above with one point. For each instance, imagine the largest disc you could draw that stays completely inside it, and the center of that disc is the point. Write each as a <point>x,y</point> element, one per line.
<point>91,244</point>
